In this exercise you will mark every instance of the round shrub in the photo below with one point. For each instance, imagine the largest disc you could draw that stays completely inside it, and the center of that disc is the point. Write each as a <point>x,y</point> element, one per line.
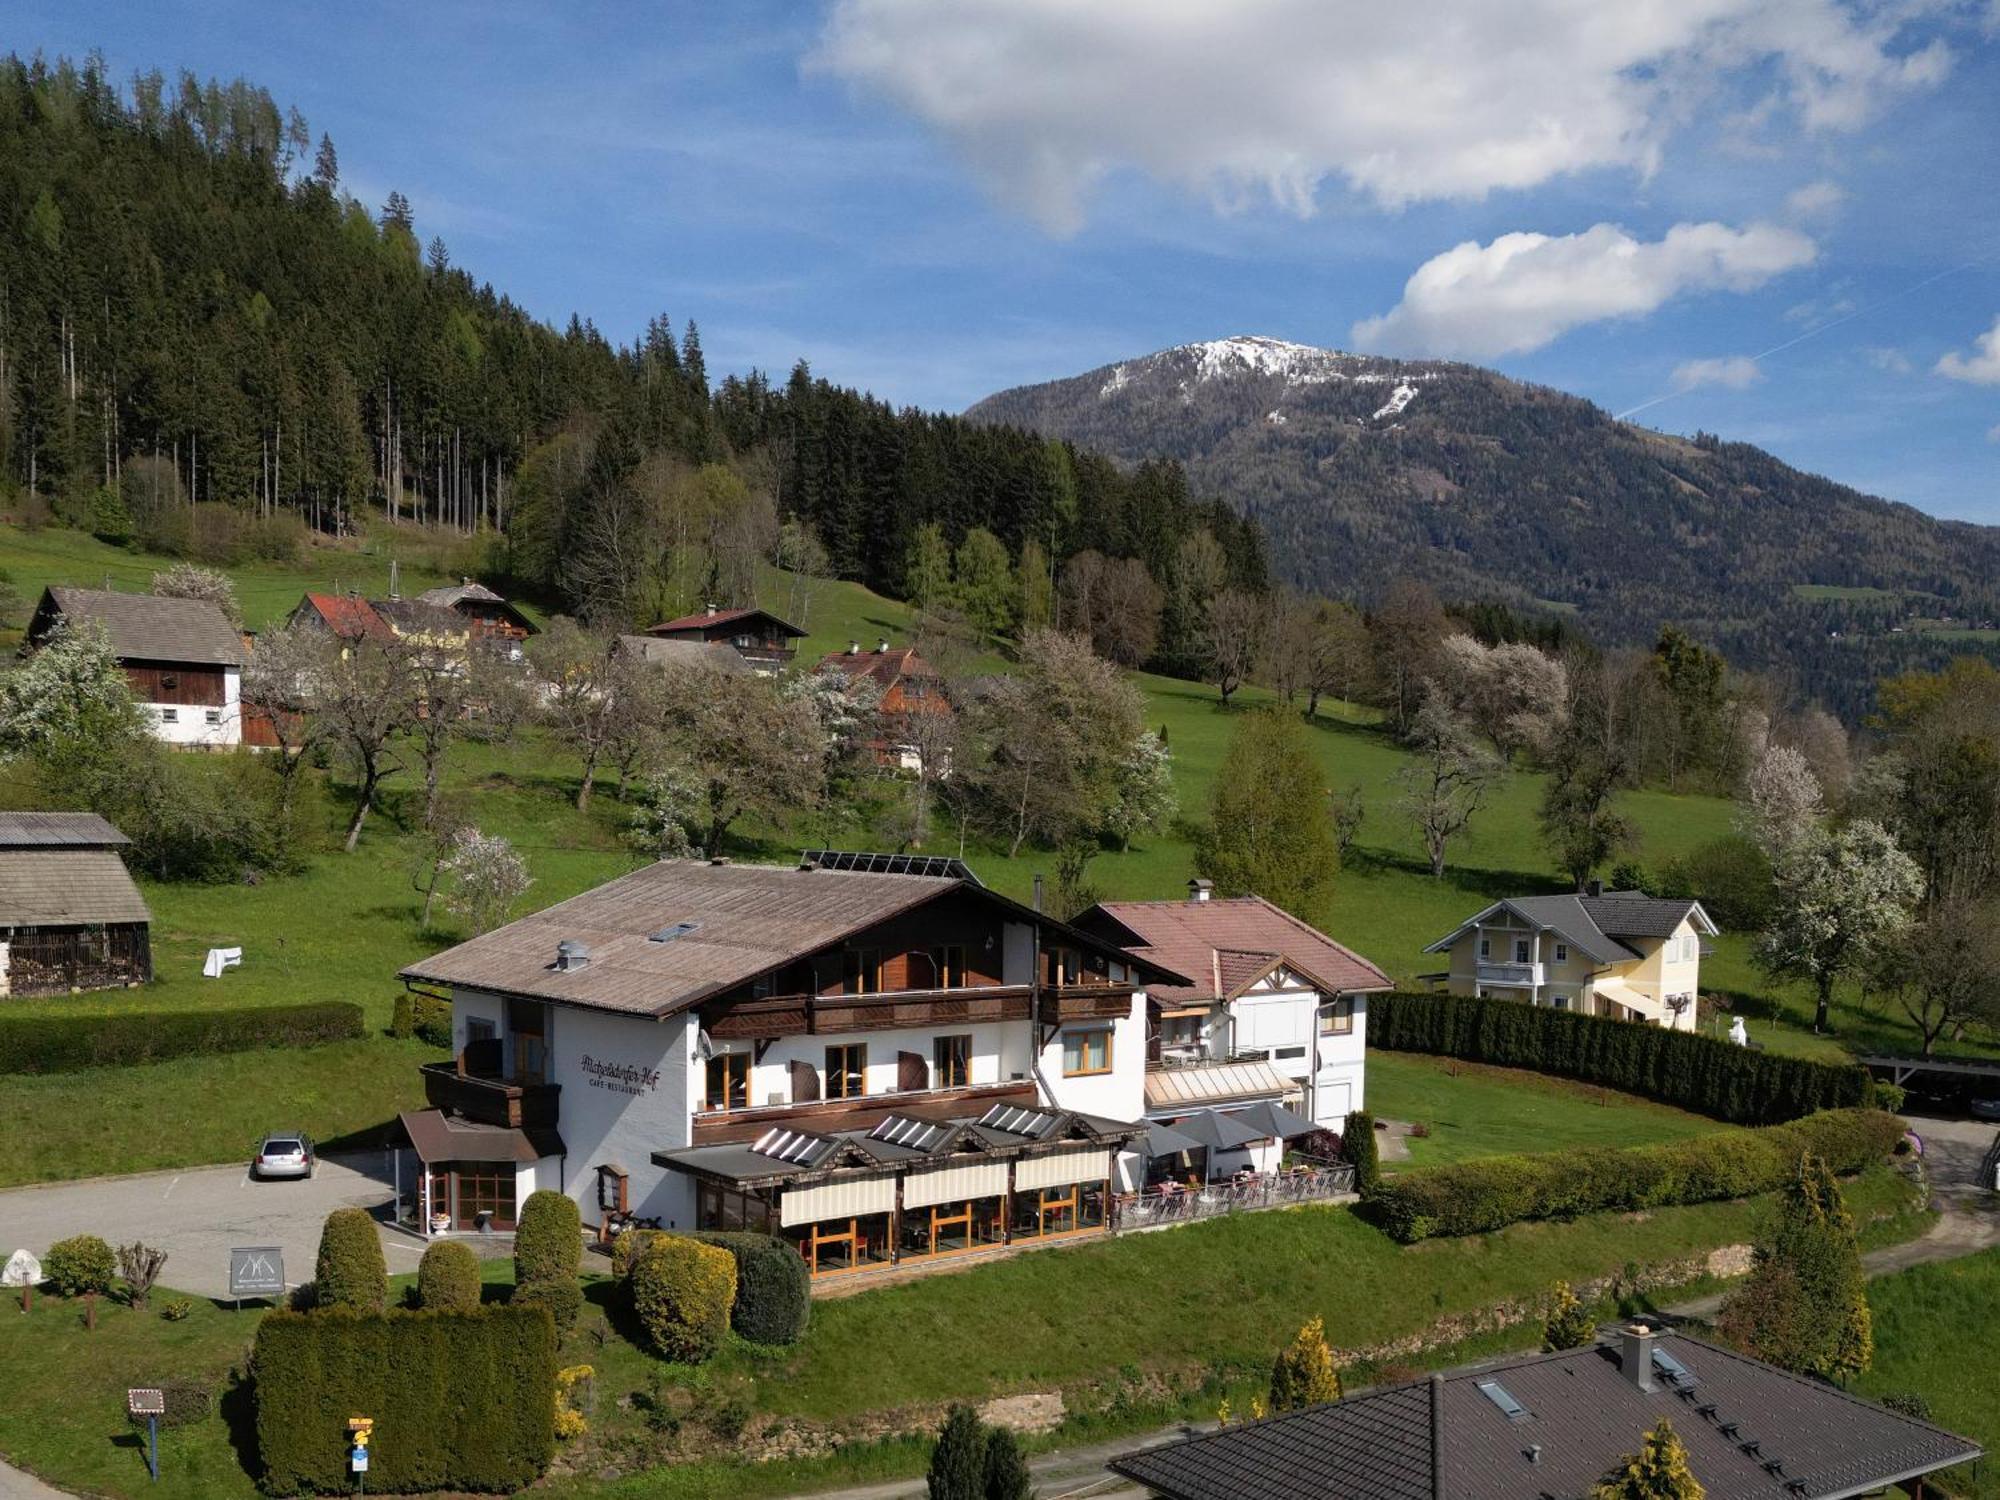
<point>560,1295</point>
<point>548,1238</point>
<point>626,1249</point>
<point>448,1276</point>
<point>682,1291</point>
<point>82,1263</point>
<point>773,1291</point>
<point>350,1271</point>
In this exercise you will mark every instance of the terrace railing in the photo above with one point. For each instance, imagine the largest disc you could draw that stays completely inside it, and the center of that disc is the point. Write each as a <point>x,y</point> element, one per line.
<point>1170,1203</point>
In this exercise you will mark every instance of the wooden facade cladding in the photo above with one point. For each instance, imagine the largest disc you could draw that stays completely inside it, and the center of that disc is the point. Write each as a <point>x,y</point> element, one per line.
<point>724,1127</point>
<point>491,1101</point>
<point>170,682</point>
<point>817,1015</point>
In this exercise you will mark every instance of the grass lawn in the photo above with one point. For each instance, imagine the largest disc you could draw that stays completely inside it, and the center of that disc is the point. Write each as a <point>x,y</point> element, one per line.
<point>1935,1335</point>
<point>1474,1110</point>
<point>1128,1330</point>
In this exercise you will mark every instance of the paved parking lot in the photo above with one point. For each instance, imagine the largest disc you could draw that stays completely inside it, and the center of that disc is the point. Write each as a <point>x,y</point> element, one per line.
<point>197,1215</point>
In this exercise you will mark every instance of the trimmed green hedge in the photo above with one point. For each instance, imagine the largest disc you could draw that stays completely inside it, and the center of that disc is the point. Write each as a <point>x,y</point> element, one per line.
<point>462,1399</point>
<point>1492,1192</point>
<point>1710,1077</point>
<point>773,1292</point>
<point>66,1044</point>
<point>548,1238</point>
<point>350,1271</point>
<point>448,1276</point>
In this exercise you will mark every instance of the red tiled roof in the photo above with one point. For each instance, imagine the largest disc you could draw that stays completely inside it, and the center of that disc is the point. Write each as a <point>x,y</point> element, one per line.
<point>703,618</point>
<point>1225,944</point>
<point>348,616</point>
<point>884,666</point>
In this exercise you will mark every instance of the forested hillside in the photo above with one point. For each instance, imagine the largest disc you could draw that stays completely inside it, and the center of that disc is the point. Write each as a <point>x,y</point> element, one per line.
<point>207,342</point>
<point>1361,470</point>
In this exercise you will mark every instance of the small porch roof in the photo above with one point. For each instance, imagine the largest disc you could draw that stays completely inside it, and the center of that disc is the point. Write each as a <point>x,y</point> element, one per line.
<point>438,1137</point>
<point>1168,1089</point>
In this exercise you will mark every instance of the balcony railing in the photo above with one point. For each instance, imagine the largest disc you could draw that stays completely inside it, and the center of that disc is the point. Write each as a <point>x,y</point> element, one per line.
<point>1513,974</point>
<point>1172,1204</point>
<point>491,1101</point>
<point>715,1127</point>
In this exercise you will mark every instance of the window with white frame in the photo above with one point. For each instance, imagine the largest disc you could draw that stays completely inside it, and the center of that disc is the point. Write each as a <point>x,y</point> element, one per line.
<point>1562,953</point>
<point>1485,947</point>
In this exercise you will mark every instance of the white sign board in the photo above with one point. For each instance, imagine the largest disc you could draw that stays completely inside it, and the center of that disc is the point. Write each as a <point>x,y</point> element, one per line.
<point>22,1270</point>
<point>219,959</point>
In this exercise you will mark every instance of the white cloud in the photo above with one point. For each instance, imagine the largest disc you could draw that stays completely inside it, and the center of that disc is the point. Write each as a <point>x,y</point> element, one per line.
<point>1733,372</point>
<point>1889,361</point>
<point>1993,433</point>
<point>1816,200</point>
<point>1045,98</point>
<point>1524,290</point>
<point>1982,366</point>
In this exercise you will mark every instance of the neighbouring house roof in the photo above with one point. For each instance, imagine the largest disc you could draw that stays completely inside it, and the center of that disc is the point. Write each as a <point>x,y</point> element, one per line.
<point>707,619</point>
<point>439,1137</point>
<point>409,617</point>
<point>144,627</point>
<point>1225,945</point>
<point>741,921</point>
<point>67,887</point>
<point>348,616</point>
<point>1201,1084</point>
<point>1594,925</point>
<point>1753,1432</point>
<point>58,830</point>
<point>658,651</point>
<point>450,596</point>
<point>885,665</point>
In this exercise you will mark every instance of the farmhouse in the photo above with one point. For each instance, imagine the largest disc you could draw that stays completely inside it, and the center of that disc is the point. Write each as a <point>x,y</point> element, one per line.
<point>1554,1424</point>
<point>1606,953</point>
<point>757,635</point>
<point>873,1056</point>
<point>349,617</point>
<point>909,685</point>
<point>1273,1011</point>
<point>488,617</point>
<point>70,916</point>
<point>182,657</point>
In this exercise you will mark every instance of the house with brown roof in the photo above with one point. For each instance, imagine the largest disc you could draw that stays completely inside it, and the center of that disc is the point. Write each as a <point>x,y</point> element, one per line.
<point>874,1057</point>
<point>1606,953</point>
<point>182,658</point>
<point>349,617</point>
<point>908,686</point>
<point>757,635</point>
<point>1273,1013</point>
<point>488,617</point>
<point>1539,1426</point>
<point>70,916</point>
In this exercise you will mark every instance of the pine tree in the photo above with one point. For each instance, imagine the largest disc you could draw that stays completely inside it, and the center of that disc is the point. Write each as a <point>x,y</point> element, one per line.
<point>1357,1144</point>
<point>1303,1373</point>
<point>1007,1475</point>
<point>958,1461</point>
<point>1658,1471</point>
<point>1805,1306</point>
<point>1570,1324</point>
<point>326,165</point>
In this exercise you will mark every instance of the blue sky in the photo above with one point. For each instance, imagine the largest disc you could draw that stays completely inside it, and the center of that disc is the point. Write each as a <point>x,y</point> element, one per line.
<point>934,199</point>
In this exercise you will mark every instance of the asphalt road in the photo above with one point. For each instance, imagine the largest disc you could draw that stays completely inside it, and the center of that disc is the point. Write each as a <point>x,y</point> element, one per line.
<point>197,1215</point>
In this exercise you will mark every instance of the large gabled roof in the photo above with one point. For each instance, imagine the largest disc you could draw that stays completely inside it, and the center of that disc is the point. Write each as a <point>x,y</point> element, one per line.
<point>144,627</point>
<point>1594,925</point>
<point>1226,944</point>
<point>1753,1432</point>
<point>706,619</point>
<point>730,924</point>
<point>452,595</point>
<point>348,616</point>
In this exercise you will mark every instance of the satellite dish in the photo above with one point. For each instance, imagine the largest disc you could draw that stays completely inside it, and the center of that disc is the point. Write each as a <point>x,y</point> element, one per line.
<point>704,1047</point>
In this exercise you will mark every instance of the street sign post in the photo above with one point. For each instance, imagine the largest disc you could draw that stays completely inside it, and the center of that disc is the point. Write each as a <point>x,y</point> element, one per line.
<point>256,1271</point>
<point>360,1429</point>
<point>150,1403</point>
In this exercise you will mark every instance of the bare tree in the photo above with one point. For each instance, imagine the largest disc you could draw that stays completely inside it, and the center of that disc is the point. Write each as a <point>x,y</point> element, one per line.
<point>1406,631</point>
<point>1945,971</point>
<point>580,681</point>
<point>1445,785</point>
<point>1341,657</point>
<point>283,679</point>
<point>443,694</point>
<point>1115,602</point>
<point>1288,645</point>
<point>750,747</point>
<point>1232,635</point>
<point>366,701</point>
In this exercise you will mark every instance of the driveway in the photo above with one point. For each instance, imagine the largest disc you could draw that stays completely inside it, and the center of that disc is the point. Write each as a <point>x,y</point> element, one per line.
<point>197,1215</point>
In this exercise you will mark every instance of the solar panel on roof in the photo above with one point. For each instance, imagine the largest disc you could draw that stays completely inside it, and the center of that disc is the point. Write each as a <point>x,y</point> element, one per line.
<point>1017,1120</point>
<point>941,866</point>
<point>800,1147</point>
<point>1503,1398</point>
<point>905,1130</point>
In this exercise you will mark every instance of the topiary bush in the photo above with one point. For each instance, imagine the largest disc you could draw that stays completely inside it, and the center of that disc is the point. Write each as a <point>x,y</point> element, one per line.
<point>82,1263</point>
<point>682,1291</point>
<point>548,1238</point>
<point>1475,1197</point>
<point>1357,1144</point>
<point>561,1295</point>
<point>350,1271</point>
<point>628,1247</point>
<point>448,1276</point>
<point>773,1292</point>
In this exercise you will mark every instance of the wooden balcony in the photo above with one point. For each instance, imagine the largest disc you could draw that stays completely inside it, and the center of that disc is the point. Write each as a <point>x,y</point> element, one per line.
<point>722,1126</point>
<point>491,1101</point>
<point>814,1015</point>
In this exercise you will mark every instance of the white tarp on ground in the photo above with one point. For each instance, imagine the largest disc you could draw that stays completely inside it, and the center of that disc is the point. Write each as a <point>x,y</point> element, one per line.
<point>219,959</point>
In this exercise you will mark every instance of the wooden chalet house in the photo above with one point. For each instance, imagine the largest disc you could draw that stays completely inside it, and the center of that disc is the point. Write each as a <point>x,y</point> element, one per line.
<point>182,658</point>
<point>489,618</point>
<point>757,635</point>
<point>909,686</point>
<point>873,1056</point>
<point>70,916</point>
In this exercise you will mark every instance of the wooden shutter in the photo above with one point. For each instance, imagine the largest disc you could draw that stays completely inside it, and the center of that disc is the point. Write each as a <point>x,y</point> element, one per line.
<point>805,1083</point>
<point>913,1074</point>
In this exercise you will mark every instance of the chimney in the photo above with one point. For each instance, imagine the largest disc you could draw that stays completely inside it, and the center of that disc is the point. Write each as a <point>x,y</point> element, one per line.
<point>1199,889</point>
<point>718,860</point>
<point>465,580</point>
<point>882,645</point>
<point>709,607</point>
<point>395,580</point>
<point>854,648</point>
<point>1595,888</point>
<point>571,956</point>
<point>1437,1437</point>
<point>1636,1356</point>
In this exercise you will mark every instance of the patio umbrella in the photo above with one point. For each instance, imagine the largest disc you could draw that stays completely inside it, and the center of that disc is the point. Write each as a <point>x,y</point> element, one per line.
<point>1164,1140</point>
<point>1268,1118</point>
<point>1218,1132</point>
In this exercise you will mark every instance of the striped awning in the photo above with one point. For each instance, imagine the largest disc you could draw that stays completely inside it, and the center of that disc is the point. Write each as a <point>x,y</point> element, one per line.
<point>837,1200</point>
<point>1214,1083</point>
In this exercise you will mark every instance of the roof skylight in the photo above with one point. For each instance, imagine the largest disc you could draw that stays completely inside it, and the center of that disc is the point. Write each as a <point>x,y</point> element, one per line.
<point>1501,1397</point>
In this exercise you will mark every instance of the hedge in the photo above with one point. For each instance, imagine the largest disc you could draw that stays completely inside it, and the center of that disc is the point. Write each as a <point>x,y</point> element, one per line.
<point>548,1237</point>
<point>448,1276</point>
<point>682,1292</point>
<point>462,1399</point>
<point>773,1292</point>
<point>1684,1068</point>
<point>1492,1192</point>
<point>66,1044</point>
<point>350,1271</point>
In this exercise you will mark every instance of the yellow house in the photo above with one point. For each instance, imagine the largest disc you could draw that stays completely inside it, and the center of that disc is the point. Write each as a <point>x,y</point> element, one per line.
<point>1606,953</point>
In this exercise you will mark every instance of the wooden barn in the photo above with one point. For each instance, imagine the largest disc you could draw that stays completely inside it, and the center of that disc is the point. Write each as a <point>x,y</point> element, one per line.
<point>70,916</point>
